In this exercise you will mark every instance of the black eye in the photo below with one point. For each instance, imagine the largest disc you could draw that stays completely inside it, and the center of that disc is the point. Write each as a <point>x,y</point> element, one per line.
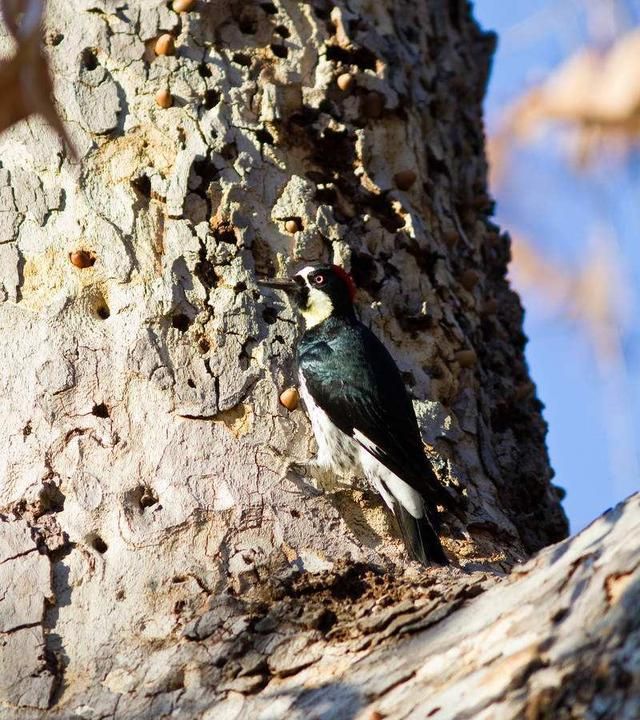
<point>318,279</point>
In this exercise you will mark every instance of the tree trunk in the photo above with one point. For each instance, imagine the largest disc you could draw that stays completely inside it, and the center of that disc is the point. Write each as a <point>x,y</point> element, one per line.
<point>154,534</point>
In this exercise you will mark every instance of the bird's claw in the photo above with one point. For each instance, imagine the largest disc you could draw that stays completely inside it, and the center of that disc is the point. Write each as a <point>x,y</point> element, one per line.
<point>302,477</point>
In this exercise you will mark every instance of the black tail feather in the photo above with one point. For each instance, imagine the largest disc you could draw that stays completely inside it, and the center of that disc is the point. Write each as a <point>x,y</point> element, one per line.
<point>420,538</point>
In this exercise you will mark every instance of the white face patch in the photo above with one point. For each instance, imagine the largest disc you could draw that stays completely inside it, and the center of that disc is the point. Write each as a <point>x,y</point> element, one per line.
<point>319,306</point>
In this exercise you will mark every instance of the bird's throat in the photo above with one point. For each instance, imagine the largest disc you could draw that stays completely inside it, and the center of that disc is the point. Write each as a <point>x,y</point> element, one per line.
<point>318,308</point>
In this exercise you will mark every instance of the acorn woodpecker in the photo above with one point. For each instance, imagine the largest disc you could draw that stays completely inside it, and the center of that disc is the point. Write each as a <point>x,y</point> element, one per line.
<point>362,418</point>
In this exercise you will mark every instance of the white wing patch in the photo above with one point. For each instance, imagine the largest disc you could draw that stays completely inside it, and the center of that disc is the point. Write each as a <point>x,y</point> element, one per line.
<point>386,482</point>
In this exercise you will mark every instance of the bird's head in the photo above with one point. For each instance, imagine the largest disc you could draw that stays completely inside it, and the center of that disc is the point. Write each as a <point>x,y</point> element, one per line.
<point>320,292</point>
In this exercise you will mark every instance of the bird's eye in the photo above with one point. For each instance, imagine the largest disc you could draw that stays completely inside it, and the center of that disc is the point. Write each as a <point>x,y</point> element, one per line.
<point>318,279</point>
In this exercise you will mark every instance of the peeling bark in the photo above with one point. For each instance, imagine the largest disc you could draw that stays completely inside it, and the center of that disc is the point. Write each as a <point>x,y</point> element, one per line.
<point>163,555</point>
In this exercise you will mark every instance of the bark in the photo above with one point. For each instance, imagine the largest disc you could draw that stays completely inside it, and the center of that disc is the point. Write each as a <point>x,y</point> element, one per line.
<point>159,554</point>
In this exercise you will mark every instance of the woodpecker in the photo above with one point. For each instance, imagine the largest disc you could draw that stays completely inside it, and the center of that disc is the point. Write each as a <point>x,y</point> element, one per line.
<point>360,412</point>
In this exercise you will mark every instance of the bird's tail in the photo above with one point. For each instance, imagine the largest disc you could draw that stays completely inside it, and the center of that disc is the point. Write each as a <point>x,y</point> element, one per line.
<point>420,538</point>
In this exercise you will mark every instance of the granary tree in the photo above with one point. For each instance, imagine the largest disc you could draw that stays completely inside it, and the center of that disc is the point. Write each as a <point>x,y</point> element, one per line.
<point>162,554</point>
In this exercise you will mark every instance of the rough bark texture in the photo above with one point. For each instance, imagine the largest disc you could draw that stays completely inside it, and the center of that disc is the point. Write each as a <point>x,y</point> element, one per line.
<point>153,534</point>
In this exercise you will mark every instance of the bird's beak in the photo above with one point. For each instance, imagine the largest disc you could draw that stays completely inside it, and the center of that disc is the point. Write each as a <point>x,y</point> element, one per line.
<point>284,284</point>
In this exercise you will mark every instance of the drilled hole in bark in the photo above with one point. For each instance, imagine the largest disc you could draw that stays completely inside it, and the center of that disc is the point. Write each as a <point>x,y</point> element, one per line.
<point>225,232</point>
<point>142,185</point>
<point>51,498</point>
<point>206,171</point>
<point>321,12</point>
<point>181,322</point>
<point>211,99</point>
<point>98,544</point>
<point>203,345</point>
<point>326,196</point>
<point>282,31</point>
<point>89,59</point>
<point>269,8</point>
<point>204,70</point>
<point>269,315</point>
<point>55,39</point>
<point>361,57</point>
<point>264,136</point>
<point>190,383</point>
<point>242,59</point>
<point>229,151</point>
<point>364,271</point>
<point>100,410</point>
<point>102,311</point>
<point>248,25</point>
<point>279,50</point>
<point>326,621</point>
<point>141,497</point>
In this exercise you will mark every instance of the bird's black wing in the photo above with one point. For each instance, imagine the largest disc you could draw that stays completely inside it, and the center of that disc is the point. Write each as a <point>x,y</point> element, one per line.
<point>354,379</point>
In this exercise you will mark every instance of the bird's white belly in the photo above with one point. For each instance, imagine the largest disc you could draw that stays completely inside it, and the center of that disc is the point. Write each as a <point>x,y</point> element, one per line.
<point>343,454</point>
<point>336,450</point>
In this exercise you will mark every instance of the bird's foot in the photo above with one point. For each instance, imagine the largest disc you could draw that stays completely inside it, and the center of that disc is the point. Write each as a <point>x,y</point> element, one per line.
<point>305,477</point>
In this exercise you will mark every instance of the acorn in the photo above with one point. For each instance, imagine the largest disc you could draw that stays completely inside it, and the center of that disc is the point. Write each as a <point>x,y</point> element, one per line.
<point>345,81</point>
<point>180,6</point>
<point>82,259</point>
<point>292,225</point>
<point>164,99</point>
<point>405,179</point>
<point>290,398</point>
<point>466,358</point>
<point>469,279</point>
<point>165,45</point>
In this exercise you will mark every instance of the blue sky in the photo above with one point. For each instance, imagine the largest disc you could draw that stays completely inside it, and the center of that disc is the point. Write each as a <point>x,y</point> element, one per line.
<point>593,410</point>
